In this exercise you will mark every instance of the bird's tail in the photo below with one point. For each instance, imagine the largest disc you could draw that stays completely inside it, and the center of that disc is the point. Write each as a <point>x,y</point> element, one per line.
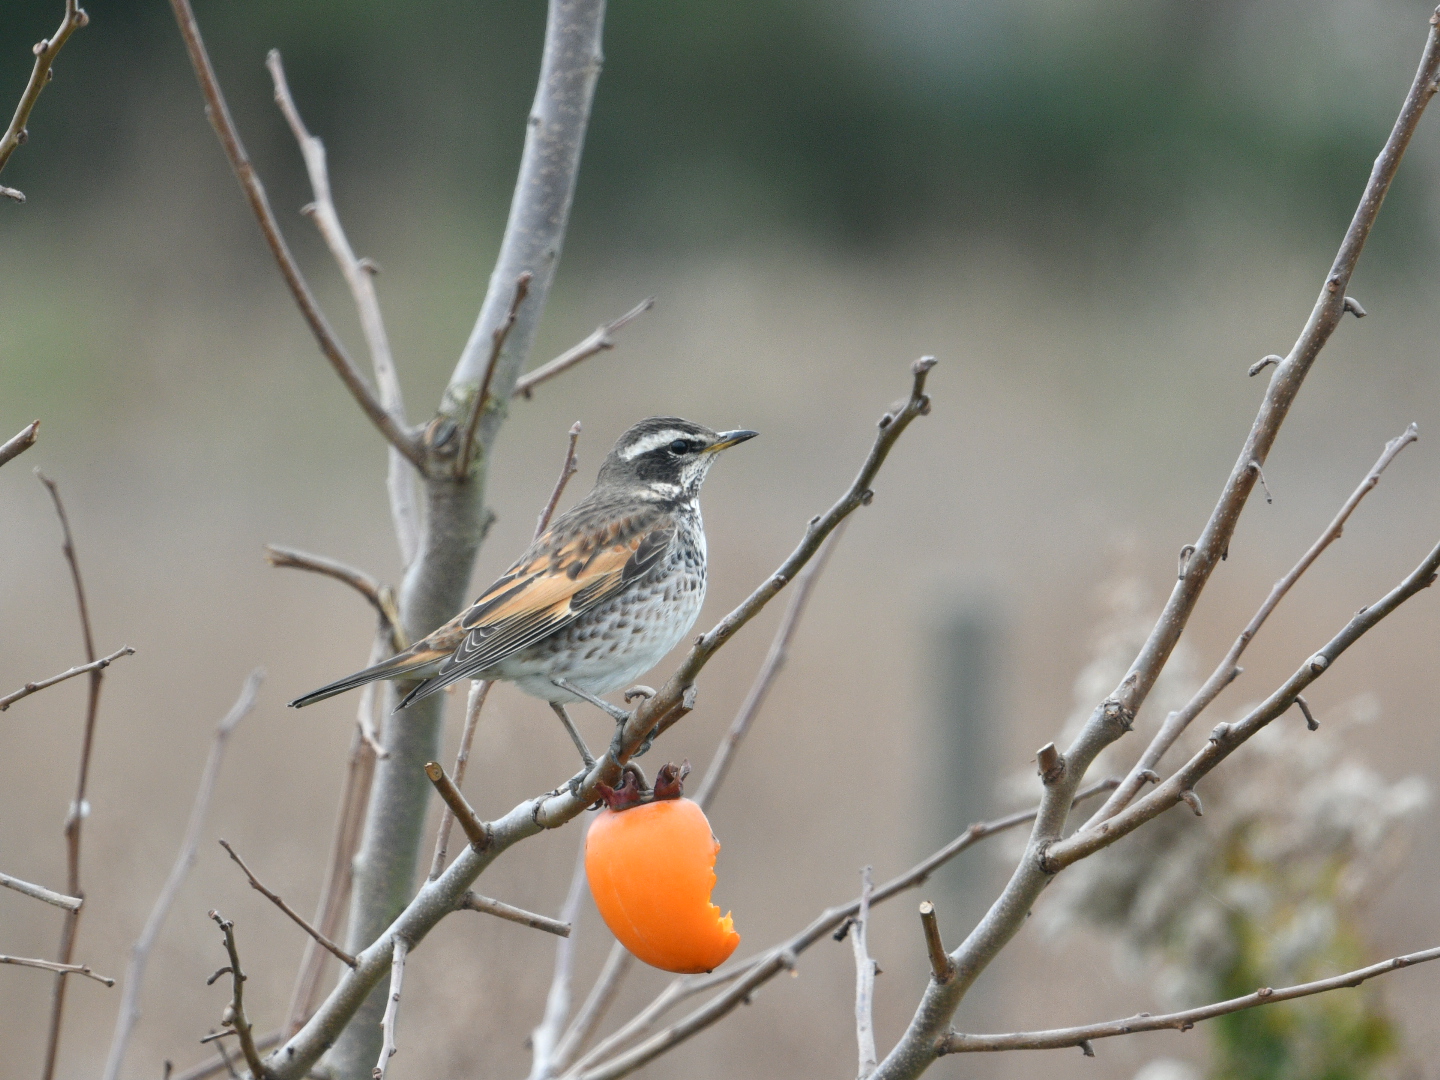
<point>416,662</point>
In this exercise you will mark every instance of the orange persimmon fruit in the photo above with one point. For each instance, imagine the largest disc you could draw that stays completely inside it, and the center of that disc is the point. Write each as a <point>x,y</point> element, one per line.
<point>651,869</point>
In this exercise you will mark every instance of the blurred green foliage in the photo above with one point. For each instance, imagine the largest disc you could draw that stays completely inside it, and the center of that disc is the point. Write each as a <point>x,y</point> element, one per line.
<point>858,122</point>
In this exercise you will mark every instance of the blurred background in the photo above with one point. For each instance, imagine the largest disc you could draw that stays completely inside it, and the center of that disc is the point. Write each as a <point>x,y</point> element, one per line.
<point>1097,215</point>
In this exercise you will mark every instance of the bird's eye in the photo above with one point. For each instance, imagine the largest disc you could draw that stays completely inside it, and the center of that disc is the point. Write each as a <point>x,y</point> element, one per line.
<point>679,446</point>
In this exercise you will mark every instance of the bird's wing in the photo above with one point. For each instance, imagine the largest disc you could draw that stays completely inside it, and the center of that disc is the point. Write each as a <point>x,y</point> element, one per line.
<point>559,579</point>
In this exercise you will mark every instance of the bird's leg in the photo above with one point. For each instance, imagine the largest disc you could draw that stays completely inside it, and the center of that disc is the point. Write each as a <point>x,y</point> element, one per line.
<point>585,754</point>
<point>618,714</point>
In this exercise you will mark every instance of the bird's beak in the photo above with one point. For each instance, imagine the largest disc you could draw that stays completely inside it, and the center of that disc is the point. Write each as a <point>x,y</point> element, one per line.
<point>727,439</point>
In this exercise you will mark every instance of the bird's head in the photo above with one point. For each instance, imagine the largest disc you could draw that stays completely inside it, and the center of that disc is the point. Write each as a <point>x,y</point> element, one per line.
<point>665,457</point>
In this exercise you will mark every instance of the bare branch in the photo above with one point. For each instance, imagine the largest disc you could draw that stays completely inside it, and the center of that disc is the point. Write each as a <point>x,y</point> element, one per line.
<point>21,442</point>
<point>74,820</point>
<point>750,974</point>
<point>548,1033</point>
<point>234,1016</point>
<point>31,687</point>
<point>597,342</point>
<point>1112,717</point>
<point>479,691</point>
<point>392,1007</point>
<point>1226,738</point>
<point>360,278</point>
<point>220,1064</point>
<point>956,1043</point>
<point>59,969</point>
<point>941,970</point>
<point>1176,723</point>
<point>477,405</point>
<point>129,1013</point>
<point>438,898</point>
<point>45,52</point>
<point>567,470</point>
<point>864,979</point>
<point>597,1003</point>
<point>39,892</point>
<point>219,114</point>
<point>473,901</point>
<point>475,829</point>
<point>380,597</point>
<point>255,883</point>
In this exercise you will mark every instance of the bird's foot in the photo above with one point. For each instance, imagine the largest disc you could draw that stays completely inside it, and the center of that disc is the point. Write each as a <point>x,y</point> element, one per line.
<point>639,690</point>
<point>576,781</point>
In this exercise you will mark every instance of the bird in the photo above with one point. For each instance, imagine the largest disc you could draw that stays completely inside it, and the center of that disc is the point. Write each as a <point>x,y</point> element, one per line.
<point>608,589</point>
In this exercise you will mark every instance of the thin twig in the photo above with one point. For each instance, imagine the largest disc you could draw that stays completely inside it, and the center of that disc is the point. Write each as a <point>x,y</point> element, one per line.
<point>359,276</point>
<point>597,342</point>
<point>607,984</point>
<point>1113,716</point>
<point>475,829</point>
<point>21,442</point>
<point>479,691</point>
<point>381,597</point>
<point>59,969</point>
<point>32,687</point>
<point>567,470</point>
<point>482,392</point>
<point>234,1015</point>
<point>547,1034</point>
<point>295,917</point>
<point>941,970</point>
<point>79,808</point>
<point>1176,723</point>
<point>765,678</point>
<point>129,1013</point>
<point>759,969</point>
<point>957,1043</point>
<point>45,52</point>
<point>219,1064</point>
<point>219,114</point>
<point>864,978</point>
<point>473,901</point>
<point>39,892</point>
<point>392,1008</point>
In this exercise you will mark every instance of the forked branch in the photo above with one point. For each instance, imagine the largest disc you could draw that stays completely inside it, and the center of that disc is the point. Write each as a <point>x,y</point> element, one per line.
<point>957,1043</point>
<point>234,1016</point>
<point>380,597</point>
<point>597,342</point>
<point>256,884</point>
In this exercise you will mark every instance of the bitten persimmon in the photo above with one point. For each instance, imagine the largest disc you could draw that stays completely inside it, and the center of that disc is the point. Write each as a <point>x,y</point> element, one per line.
<point>651,869</point>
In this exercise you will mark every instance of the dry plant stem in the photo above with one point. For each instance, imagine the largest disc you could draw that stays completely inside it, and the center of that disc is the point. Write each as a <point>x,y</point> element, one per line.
<point>473,901</point>
<point>757,970</point>
<point>129,1013</point>
<point>59,969</point>
<point>915,1051</point>
<point>32,687</point>
<point>864,979</point>
<point>234,1017</point>
<point>218,113</point>
<point>255,883</point>
<point>1176,723</point>
<point>21,442</point>
<point>479,691</point>
<point>482,394</point>
<point>39,892</point>
<point>45,53</point>
<point>380,597</point>
<point>392,1008</point>
<point>547,1034</point>
<point>74,820</point>
<point>567,470</point>
<point>956,1043</point>
<point>597,342</point>
<point>765,678</point>
<point>360,279</point>
<point>438,898</point>
<point>1226,738</point>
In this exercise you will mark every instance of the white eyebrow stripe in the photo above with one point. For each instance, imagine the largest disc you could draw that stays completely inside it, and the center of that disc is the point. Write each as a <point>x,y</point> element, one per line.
<point>652,442</point>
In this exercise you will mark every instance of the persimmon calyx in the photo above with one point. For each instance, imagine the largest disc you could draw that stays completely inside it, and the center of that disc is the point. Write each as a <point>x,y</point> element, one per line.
<point>669,784</point>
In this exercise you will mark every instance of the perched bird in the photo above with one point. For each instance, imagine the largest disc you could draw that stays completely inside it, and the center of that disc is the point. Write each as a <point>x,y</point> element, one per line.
<point>598,599</point>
